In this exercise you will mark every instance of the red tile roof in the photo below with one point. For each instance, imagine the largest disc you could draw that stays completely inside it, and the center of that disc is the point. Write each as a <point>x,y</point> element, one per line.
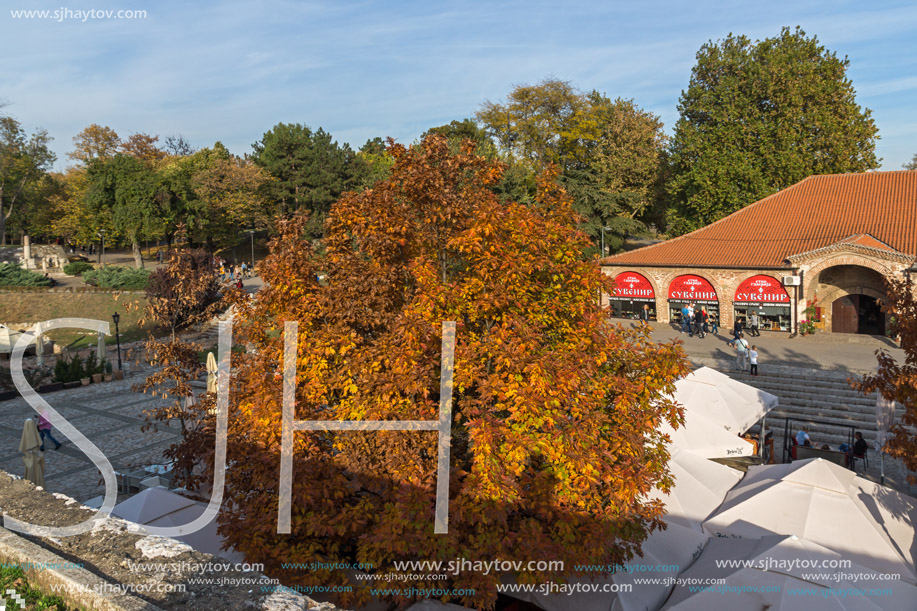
<point>874,209</point>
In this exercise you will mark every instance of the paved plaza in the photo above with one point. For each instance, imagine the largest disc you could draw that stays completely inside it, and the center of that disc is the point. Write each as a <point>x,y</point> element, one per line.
<point>108,414</point>
<point>837,351</point>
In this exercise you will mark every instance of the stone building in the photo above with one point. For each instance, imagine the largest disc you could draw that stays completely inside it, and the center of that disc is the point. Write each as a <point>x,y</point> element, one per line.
<point>826,243</point>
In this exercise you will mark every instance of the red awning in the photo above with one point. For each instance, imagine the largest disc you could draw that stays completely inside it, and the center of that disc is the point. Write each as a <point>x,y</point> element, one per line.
<point>761,290</point>
<point>690,288</point>
<point>631,286</point>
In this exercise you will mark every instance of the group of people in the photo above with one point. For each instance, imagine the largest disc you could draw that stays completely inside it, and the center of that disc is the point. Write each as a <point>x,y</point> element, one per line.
<point>745,354</point>
<point>698,322</point>
<point>858,449</point>
<point>234,273</point>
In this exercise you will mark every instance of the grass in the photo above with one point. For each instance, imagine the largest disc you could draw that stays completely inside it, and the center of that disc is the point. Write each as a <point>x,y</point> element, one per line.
<point>14,579</point>
<point>32,307</point>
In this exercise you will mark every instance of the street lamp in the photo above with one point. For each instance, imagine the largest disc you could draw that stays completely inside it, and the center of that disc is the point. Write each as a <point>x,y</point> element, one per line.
<point>101,250</point>
<point>251,234</point>
<point>604,229</point>
<point>116,317</point>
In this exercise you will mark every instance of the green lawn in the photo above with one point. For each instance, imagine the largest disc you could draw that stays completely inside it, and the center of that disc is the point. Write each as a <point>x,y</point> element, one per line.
<point>14,579</point>
<point>32,307</point>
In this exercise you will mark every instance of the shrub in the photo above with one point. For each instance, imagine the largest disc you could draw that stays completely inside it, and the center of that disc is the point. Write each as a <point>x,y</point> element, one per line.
<point>12,274</point>
<point>114,277</point>
<point>73,370</point>
<point>77,267</point>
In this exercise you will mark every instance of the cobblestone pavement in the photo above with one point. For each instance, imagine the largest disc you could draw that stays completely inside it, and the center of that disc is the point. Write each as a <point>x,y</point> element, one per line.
<point>108,414</point>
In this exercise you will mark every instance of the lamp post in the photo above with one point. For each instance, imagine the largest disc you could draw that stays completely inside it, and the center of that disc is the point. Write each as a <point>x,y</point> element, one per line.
<point>604,229</point>
<point>116,317</point>
<point>102,249</point>
<point>251,234</point>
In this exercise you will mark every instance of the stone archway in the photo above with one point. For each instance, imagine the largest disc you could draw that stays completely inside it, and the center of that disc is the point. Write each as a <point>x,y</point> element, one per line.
<point>850,298</point>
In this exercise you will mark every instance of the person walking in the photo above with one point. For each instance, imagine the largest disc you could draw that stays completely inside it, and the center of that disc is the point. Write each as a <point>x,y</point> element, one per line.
<point>753,361</point>
<point>741,347</point>
<point>700,322</point>
<point>44,430</point>
<point>714,322</point>
<point>645,315</point>
<point>753,325</point>
<point>684,319</point>
<point>737,329</point>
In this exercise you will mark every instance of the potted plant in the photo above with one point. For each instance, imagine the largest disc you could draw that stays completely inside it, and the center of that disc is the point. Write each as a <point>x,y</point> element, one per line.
<point>107,369</point>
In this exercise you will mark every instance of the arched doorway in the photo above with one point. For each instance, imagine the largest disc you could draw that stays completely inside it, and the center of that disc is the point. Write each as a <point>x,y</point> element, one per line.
<point>857,313</point>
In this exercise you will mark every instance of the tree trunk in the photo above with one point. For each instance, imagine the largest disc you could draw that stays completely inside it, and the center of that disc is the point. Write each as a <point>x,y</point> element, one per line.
<point>138,255</point>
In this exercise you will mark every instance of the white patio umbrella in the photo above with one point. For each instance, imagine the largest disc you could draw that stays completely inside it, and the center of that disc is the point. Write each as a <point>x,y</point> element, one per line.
<point>32,456</point>
<point>735,405</point>
<point>826,504</point>
<point>675,547</point>
<point>778,564</point>
<point>160,507</point>
<point>706,437</point>
<point>700,487</point>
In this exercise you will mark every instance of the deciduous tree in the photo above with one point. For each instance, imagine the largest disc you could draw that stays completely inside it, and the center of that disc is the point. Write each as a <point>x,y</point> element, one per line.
<point>912,164</point>
<point>612,152</point>
<point>555,442</point>
<point>759,117</point>
<point>143,147</point>
<point>94,142</point>
<point>23,160</point>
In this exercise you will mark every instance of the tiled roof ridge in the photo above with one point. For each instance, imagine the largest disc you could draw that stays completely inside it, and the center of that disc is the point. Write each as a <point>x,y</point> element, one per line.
<point>853,239</point>
<point>882,252</point>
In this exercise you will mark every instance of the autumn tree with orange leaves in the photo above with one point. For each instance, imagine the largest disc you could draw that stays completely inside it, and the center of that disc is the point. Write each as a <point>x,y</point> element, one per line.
<point>897,381</point>
<point>556,412</point>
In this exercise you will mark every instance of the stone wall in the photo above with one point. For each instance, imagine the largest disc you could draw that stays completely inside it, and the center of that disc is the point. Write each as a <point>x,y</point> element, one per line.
<point>109,554</point>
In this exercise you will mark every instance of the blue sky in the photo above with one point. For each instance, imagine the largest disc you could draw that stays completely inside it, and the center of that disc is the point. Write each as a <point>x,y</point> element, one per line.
<point>229,71</point>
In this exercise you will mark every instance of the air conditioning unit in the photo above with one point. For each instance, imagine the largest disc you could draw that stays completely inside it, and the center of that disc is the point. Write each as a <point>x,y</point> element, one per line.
<point>792,281</point>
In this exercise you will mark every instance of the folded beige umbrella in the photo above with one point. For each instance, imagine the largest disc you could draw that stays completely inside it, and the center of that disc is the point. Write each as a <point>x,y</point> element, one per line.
<point>32,456</point>
<point>826,504</point>
<point>39,346</point>
<point>211,373</point>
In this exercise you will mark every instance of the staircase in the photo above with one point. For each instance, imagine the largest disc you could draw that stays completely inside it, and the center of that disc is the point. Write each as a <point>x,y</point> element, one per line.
<point>826,396</point>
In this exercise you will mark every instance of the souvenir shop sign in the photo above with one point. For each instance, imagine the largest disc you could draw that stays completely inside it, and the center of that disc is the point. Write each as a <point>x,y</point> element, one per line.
<point>631,286</point>
<point>690,288</point>
<point>763,290</point>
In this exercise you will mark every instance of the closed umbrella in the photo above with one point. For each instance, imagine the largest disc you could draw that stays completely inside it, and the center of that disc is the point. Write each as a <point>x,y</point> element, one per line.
<point>100,349</point>
<point>39,346</point>
<point>32,456</point>
<point>211,373</point>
